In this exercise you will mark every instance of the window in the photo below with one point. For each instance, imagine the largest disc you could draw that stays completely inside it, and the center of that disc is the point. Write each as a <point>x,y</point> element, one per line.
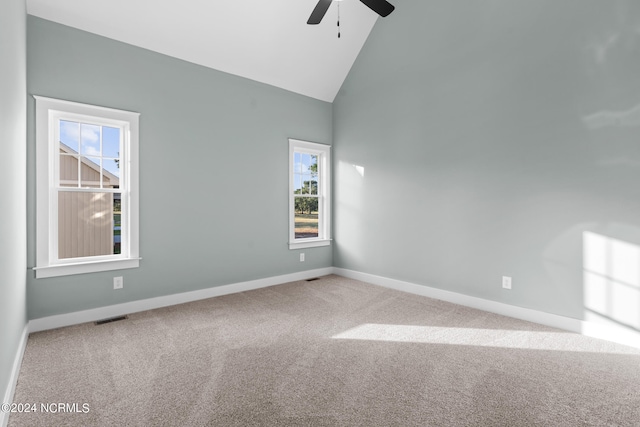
<point>87,188</point>
<point>309,194</point>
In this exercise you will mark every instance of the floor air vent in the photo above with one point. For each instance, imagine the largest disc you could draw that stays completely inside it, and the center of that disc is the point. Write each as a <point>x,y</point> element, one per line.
<point>311,280</point>
<point>113,319</point>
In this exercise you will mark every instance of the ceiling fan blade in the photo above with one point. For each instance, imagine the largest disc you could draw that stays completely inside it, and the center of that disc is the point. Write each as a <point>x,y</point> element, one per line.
<point>319,11</point>
<point>381,7</point>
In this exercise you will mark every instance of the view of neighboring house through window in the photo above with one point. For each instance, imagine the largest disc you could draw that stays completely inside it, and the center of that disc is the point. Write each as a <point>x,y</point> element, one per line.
<point>87,178</point>
<point>89,222</point>
<point>309,194</point>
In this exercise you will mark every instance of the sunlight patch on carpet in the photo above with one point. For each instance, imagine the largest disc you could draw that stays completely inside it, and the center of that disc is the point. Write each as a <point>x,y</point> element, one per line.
<point>517,339</point>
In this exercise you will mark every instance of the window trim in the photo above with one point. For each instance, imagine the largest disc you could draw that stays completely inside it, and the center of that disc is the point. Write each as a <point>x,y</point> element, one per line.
<point>48,110</point>
<point>323,152</point>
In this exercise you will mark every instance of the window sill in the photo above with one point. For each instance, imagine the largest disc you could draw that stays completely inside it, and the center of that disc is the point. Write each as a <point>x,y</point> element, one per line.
<point>85,267</point>
<point>309,243</point>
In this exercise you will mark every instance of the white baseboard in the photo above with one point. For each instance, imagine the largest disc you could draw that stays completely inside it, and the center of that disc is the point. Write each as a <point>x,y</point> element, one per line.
<point>91,315</point>
<point>589,328</point>
<point>13,378</point>
<point>585,327</point>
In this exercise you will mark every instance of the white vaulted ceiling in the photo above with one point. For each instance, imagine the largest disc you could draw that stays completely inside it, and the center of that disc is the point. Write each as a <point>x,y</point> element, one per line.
<point>264,40</point>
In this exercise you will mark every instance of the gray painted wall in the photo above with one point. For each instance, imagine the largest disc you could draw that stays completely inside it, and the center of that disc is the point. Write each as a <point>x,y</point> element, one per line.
<point>213,168</point>
<point>492,135</point>
<point>13,250</point>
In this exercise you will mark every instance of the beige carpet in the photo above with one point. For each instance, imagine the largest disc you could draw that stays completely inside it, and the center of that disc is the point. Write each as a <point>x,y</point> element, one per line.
<point>331,352</point>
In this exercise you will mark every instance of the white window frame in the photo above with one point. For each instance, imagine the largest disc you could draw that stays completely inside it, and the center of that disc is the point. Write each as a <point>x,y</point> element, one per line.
<point>324,194</point>
<point>49,112</point>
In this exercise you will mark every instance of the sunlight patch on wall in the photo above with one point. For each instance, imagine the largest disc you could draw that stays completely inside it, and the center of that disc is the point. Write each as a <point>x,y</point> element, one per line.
<point>611,279</point>
<point>349,208</point>
<point>500,338</point>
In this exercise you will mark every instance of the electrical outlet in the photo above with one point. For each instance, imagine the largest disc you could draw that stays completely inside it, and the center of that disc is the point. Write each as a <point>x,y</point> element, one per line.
<point>302,257</point>
<point>118,282</point>
<point>506,282</point>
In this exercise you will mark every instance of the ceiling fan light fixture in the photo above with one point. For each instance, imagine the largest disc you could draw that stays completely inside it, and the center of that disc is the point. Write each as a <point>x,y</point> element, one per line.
<point>381,7</point>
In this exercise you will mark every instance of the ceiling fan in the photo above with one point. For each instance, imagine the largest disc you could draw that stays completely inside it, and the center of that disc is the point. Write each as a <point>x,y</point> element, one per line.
<point>381,7</point>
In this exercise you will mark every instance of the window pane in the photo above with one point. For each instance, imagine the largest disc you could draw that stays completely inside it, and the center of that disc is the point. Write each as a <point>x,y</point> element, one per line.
<point>313,179</point>
<point>297,163</point>
<point>69,135</point>
<point>312,185</point>
<point>117,224</point>
<point>89,140</point>
<point>111,173</point>
<point>306,162</point>
<point>68,170</point>
<point>305,173</point>
<point>90,170</point>
<point>297,184</point>
<point>110,142</point>
<point>86,223</point>
<point>306,217</point>
<point>111,155</point>
<point>305,184</point>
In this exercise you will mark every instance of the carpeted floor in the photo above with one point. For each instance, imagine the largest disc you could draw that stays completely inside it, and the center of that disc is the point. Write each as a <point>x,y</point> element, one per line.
<point>331,352</point>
